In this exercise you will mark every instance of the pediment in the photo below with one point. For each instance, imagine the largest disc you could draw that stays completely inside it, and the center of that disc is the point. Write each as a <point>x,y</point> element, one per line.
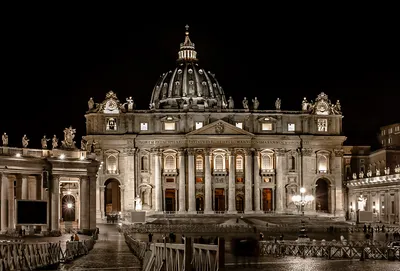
<point>220,127</point>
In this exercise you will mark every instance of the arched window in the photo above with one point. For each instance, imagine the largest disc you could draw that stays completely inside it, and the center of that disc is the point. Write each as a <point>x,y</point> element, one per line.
<point>199,162</point>
<point>170,162</point>
<point>322,164</point>
<point>219,162</point>
<point>292,163</point>
<point>266,162</point>
<point>145,163</point>
<point>112,164</point>
<point>239,162</point>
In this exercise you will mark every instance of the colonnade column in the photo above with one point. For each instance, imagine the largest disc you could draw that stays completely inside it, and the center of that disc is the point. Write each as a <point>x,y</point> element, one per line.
<point>4,203</point>
<point>11,205</point>
<point>248,208</point>
<point>232,184</point>
<point>84,203</point>
<point>92,180</point>
<point>24,192</point>
<point>45,196</point>
<point>207,183</point>
<point>102,188</point>
<point>55,203</point>
<point>191,182</point>
<point>280,188</point>
<point>157,181</point>
<point>256,175</point>
<point>182,183</point>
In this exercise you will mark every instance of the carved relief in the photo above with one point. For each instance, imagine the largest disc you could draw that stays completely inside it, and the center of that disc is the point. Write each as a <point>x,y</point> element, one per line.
<point>339,153</point>
<point>219,128</point>
<point>307,152</point>
<point>190,151</point>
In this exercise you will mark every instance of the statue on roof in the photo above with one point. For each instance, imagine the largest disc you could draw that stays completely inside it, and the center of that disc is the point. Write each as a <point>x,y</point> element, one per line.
<point>256,103</point>
<point>305,104</point>
<point>69,135</point>
<point>25,141</point>
<point>231,103</point>
<point>130,103</point>
<point>91,104</point>
<point>278,104</point>
<point>44,142</point>
<point>245,103</point>
<point>83,144</point>
<point>54,142</point>
<point>4,137</point>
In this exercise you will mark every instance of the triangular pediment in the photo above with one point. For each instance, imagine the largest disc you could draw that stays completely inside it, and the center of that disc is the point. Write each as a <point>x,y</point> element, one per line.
<point>220,127</point>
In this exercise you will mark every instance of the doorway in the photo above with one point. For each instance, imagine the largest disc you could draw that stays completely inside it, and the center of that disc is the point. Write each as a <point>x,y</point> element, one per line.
<point>170,200</point>
<point>267,199</point>
<point>68,208</point>
<point>220,199</point>
<point>322,196</point>
<point>239,203</point>
<point>199,203</point>
<point>112,197</point>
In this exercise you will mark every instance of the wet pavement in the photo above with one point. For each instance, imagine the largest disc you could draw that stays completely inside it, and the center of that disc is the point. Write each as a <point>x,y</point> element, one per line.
<point>109,253</point>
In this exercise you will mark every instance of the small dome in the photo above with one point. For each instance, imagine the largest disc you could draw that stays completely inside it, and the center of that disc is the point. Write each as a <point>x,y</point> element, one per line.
<point>188,85</point>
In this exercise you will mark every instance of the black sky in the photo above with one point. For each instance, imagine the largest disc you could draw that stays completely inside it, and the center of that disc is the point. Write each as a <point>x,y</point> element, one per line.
<point>52,67</point>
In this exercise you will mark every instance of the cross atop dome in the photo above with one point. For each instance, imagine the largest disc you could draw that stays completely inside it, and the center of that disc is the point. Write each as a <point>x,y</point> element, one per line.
<point>187,49</point>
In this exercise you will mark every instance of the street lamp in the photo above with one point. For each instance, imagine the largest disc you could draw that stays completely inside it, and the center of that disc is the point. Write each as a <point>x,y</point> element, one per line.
<point>301,200</point>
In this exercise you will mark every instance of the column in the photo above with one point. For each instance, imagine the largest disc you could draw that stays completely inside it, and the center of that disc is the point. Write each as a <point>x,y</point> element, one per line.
<point>92,202</point>
<point>157,181</point>
<point>122,189</point>
<point>102,188</point>
<point>248,208</point>
<point>207,183</point>
<point>182,181</point>
<point>98,204</point>
<point>84,203</point>
<point>4,203</point>
<point>232,183</point>
<point>24,188</point>
<point>191,182</point>
<point>256,175</point>
<point>398,205</point>
<point>11,205</point>
<point>280,187</point>
<point>45,196</point>
<point>55,203</point>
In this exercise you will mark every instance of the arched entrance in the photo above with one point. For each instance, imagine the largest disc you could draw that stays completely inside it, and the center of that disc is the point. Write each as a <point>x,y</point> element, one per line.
<point>199,203</point>
<point>68,208</point>
<point>322,196</point>
<point>112,197</point>
<point>239,203</point>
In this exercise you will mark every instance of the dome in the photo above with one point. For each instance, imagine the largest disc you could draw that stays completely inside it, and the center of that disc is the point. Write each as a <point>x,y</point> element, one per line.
<point>188,86</point>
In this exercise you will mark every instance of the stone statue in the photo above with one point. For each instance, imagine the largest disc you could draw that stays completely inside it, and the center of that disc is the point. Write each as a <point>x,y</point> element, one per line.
<point>378,172</point>
<point>231,103</point>
<point>278,104</point>
<point>354,176</point>
<point>190,103</point>
<point>245,103</point>
<point>4,137</point>
<point>44,142</point>
<point>361,175</point>
<point>93,146</point>
<point>369,173</point>
<point>130,103</point>
<point>91,103</point>
<point>25,141</point>
<point>83,144</point>
<point>387,170</point>
<point>256,103</point>
<point>338,106</point>
<point>205,102</point>
<point>138,203</point>
<point>397,169</point>
<point>69,135</point>
<point>362,203</point>
<point>304,104</point>
<point>54,142</point>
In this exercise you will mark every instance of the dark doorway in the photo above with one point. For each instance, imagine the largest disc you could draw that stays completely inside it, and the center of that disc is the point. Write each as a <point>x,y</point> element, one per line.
<point>219,199</point>
<point>267,199</point>
<point>239,203</point>
<point>322,196</point>
<point>170,200</point>
<point>199,203</point>
<point>68,208</point>
<point>112,197</point>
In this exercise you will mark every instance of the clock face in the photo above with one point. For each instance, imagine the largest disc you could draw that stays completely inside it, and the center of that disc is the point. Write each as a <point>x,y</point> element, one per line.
<point>112,105</point>
<point>322,108</point>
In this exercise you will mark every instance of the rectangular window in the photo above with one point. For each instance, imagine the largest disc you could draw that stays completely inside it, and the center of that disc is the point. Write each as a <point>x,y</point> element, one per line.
<point>390,131</point>
<point>169,126</point>
<point>322,125</point>
<point>390,140</point>
<point>199,124</point>
<point>383,132</point>
<point>266,127</point>
<point>143,126</point>
<point>397,128</point>
<point>169,180</point>
<point>239,125</point>
<point>199,180</point>
<point>383,142</point>
<point>111,124</point>
<point>239,180</point>
<point>291,127</point>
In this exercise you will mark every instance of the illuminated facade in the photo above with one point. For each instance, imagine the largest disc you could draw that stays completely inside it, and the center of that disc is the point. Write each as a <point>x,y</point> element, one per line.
<point>375,177</point>
<point>196,151</point>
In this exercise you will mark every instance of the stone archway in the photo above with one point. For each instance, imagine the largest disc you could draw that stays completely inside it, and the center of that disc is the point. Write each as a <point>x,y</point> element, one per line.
<point>322,196</point>
<point>68,208</point>
<point>112,197</point>
<point>199,203</point>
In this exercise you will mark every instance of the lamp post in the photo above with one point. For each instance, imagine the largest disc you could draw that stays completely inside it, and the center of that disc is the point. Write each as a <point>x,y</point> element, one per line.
<point>301,200</point>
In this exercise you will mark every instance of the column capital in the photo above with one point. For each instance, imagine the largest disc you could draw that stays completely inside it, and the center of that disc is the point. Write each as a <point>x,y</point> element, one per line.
<point>207,151</point>
<point>280,152</point>
<point>156,151</point>
<point>249,151</point>
<point>181,152</point>
<point>231,152</point>
<point>190,151</point>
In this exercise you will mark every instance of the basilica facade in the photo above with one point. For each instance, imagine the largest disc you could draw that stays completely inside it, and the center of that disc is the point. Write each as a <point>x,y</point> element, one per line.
<point>195,150</point>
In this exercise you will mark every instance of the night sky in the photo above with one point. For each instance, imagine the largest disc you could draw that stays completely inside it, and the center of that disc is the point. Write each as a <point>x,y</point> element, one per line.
<point>52,67</point>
